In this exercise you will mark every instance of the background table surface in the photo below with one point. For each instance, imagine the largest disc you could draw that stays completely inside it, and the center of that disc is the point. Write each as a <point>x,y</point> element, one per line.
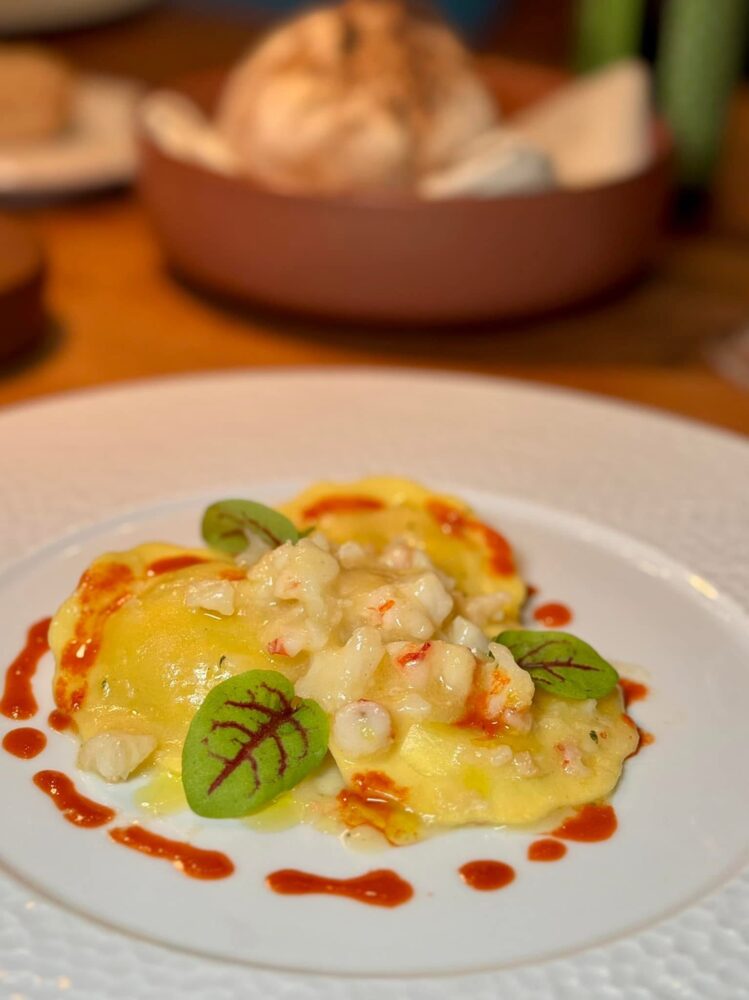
<point>118,314</point>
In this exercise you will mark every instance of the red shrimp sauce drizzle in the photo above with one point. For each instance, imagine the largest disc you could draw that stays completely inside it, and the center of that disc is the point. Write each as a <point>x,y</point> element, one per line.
<point>340,505</point>
<point>59,721</point>
<point>456,522</point>
<point>632,691</point>
<point>103,588</point>
<point>75,808</point>
<point>173,563</point>
<point>376,888</point>
<point>18,701</point>
<point>194,862</point>
<point>589,824</point>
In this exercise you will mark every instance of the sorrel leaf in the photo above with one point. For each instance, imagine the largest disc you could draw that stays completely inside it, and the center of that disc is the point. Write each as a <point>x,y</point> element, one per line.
<point>228,524</point>
<point>250,740</point>
<point>561,663</point>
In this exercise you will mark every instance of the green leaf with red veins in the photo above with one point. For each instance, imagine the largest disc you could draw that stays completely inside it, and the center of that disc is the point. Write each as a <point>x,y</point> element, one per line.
<point>249,741</point>
<point>228,524</point>
<point>561,663</point>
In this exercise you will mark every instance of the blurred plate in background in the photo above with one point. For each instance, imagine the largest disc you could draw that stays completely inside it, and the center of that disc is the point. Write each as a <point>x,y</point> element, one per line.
<point>95,151</point>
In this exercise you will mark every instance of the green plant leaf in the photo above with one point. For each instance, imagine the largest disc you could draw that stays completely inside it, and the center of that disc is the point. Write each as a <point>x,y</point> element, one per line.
<point>561,663</point>
<point>250,740</point>
<point>228,524</point>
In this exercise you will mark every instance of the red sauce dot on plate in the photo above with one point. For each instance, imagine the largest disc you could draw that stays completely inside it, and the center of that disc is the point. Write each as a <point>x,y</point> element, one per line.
<point>632,691</point>
<point>591,823</point>
<point>553,615</point>
<point>546,850</point>
<point>486,876</point>
<point>24,742</point>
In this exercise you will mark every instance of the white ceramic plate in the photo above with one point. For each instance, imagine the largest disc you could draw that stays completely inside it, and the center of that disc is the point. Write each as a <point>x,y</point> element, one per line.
<point>96,150</point>
<point>20,16</point>
<point>637,520</point>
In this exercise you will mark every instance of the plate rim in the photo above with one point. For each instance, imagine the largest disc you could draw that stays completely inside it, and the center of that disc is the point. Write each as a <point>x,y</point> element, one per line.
<point>427,373</point>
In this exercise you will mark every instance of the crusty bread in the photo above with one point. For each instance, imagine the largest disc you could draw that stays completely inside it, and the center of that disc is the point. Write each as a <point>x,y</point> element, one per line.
<point>36,94</point>
<point>364,95</point>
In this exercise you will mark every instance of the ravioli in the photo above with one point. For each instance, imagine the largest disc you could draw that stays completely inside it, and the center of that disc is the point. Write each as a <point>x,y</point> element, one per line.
<point>382,615</point>
<point>453,776</point>
<point>377,510</point>
<point>132,656</point>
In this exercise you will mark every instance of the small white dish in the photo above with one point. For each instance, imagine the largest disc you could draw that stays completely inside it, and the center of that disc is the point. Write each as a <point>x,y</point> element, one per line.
<point>96,150</point>
<point>634,519</point>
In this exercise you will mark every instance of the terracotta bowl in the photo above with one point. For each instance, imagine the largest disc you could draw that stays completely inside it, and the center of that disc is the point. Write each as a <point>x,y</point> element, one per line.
<point>397,258</point>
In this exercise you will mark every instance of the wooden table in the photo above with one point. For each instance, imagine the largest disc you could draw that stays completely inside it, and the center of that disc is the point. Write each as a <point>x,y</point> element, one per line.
<point>119,315</point>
